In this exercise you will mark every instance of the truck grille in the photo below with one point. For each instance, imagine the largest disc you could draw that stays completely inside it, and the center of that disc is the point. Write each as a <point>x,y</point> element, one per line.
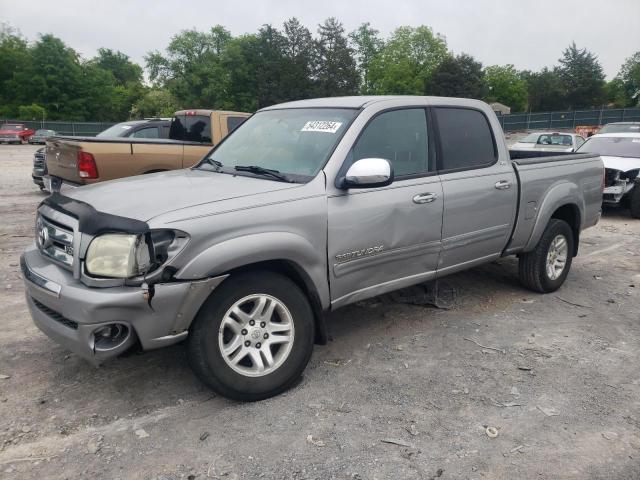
<point>39,163</point>
<point>55,241</point>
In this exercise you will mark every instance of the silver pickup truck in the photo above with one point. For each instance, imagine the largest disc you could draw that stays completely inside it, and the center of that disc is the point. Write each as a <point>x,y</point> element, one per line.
<point>305,208</point>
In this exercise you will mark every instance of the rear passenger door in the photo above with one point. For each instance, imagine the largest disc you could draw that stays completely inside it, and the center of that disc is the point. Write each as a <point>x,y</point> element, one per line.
<point>480,192</point>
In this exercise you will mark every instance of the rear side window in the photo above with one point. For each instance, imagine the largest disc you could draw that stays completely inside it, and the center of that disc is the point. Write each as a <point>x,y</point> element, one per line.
<point>234,122</point>
<point>191,128</point>
<point>399,136</point>
<point>149,132</point>
<point>466,139</point>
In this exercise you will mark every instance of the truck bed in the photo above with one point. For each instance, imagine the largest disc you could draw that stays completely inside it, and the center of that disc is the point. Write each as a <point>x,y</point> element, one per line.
<point>542,176</point>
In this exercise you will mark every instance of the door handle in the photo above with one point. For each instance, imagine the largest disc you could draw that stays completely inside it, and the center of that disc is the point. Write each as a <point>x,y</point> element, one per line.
<point>425,197</point>
<point>503,185</point>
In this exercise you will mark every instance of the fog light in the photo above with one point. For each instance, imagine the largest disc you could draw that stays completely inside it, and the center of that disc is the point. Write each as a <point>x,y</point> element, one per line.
<point>110,336</point>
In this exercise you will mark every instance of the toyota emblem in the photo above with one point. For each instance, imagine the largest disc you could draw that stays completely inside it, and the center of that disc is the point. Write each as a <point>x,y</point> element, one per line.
<point>44,241</point>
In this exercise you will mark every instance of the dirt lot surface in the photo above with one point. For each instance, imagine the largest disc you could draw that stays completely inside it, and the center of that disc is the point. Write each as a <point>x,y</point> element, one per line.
<point>402,390</point>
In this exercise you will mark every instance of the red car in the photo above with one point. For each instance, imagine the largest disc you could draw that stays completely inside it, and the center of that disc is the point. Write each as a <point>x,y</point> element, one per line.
<point>15,133</point>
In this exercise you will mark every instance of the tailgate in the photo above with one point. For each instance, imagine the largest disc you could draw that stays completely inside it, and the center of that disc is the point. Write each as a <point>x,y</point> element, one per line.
<point>62,159</point>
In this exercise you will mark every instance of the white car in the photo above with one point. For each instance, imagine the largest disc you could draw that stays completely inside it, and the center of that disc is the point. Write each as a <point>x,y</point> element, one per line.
<point>551,142</point>
<point>620,153</point>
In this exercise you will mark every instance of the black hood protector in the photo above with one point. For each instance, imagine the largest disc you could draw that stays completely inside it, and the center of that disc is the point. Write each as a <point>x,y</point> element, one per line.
<point>91,221</point>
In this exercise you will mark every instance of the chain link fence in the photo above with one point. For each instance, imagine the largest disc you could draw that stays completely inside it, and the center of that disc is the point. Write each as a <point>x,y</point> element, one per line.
<point>567,120</point>
<point>517,121</point>
<point>81,129</point>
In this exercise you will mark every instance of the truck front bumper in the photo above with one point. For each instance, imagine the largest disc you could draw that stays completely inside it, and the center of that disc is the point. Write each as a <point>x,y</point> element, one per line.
<point>80,318</point>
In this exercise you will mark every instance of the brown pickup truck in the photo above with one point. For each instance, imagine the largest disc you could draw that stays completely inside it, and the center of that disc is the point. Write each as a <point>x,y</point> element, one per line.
<point>76,161</point>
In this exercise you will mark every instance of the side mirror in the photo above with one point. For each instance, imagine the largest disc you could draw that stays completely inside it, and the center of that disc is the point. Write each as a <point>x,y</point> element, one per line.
<point>369,173</point>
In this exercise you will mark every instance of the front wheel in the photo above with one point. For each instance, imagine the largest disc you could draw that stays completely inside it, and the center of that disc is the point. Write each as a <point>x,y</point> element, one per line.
<point>253,337</point>
<point>545,268</point>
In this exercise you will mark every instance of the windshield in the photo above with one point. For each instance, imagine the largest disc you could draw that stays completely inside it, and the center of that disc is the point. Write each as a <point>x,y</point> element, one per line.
<point>295,142</point>
<point>119,130</point>
<point>45,132</point>
<point>621,128</point>
<point>11,126</point>
<point>612,146</point>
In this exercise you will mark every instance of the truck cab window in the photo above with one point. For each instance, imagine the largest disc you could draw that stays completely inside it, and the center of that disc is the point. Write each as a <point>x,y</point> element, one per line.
<point>198,129</point>
<point>399,136</point>
<point>191,128</point>
<point>178,128</point>
<point>234,122</point>
<point>466,140</point>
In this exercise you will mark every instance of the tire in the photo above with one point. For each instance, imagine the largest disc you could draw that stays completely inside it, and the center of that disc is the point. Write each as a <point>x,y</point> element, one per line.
<point>634,201</point>
<point>242,381</point>
<point>533,270</point>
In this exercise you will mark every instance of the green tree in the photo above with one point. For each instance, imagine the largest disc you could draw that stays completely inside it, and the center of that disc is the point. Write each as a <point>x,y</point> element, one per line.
<point>121,67</point>
<point>155,103</point>
<point>300,51</point>
<point>405,63</point>
<point>336,72</point>
<point>504,85</point>
<point>191,68</point>
<point>15,58</point>
<point>368,44</point>
<point>629,81</point>
<point>583,78</point>
<point>545,89</point>
<point>31,112</point>
<point>53,79</point>
<point>460,76</point>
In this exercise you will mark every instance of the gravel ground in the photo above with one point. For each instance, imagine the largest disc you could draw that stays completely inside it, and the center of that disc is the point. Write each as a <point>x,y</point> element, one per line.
<point>401,391</point>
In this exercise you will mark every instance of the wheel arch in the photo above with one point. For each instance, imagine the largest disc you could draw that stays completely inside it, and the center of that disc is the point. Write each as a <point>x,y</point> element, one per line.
<point>297,275</point>
<point>283,252</point>
<point>570,213</point>
<point>562,202</point>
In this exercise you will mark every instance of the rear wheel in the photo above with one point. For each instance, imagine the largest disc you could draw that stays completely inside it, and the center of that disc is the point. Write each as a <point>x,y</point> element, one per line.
<point>253,337</point>
<point>634,201</point>
<point>545,268</point>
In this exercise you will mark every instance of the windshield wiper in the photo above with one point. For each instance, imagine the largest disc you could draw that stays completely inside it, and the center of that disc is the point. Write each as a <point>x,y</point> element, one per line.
<point>215,163</point>
<point>263,171</point>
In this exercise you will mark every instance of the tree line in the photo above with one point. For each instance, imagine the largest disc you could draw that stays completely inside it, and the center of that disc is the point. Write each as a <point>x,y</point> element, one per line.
<point>214,69</point>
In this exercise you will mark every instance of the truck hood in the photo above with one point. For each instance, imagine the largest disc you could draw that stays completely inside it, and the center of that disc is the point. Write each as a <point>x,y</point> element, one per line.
<point>146,196</point>
<point>623,164</point>
<point>10,132</point>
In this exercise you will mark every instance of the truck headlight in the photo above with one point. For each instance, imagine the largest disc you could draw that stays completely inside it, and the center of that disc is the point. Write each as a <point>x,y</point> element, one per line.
<point>118,255</point>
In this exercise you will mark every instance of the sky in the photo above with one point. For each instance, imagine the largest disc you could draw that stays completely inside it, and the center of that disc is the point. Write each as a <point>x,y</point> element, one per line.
<point>528,34</point>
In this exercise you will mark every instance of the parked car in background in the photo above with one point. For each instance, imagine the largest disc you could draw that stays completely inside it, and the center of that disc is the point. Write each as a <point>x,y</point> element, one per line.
<point>621,127</point>
<point>549,142</point>
<point>307,207</point>
<point>620,153</point>
<point>15,133</point>
<point>147,128</point>
<point>76,161</point>
<point>40,136</point>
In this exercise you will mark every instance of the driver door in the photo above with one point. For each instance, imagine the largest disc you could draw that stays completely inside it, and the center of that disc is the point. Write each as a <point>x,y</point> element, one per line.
<point>381,239</point>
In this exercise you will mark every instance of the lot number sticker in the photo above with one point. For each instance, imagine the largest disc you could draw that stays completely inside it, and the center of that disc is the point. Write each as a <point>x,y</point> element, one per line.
<point>321,126</point>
